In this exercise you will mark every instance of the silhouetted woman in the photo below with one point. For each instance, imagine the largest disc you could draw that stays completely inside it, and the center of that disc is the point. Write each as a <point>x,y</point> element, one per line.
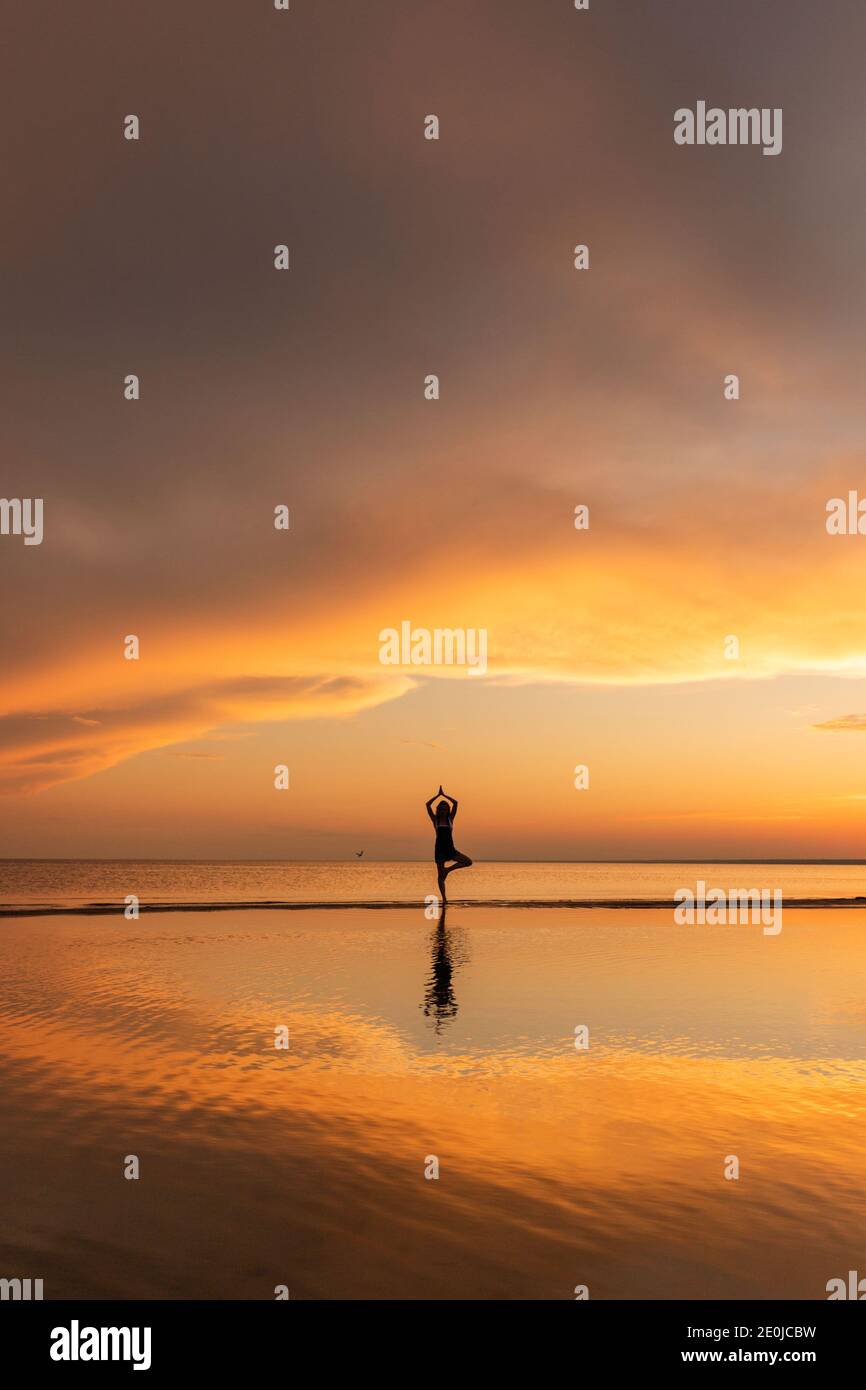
<point>445,854</point>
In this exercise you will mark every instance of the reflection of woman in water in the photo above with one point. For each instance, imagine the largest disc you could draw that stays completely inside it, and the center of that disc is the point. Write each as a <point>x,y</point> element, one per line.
<point>440,1003</point>
<point>445,854</point>
<point>449,950</point>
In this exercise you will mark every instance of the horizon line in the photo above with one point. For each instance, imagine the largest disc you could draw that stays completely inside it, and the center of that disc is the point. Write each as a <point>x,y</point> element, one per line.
<point>160,859</point>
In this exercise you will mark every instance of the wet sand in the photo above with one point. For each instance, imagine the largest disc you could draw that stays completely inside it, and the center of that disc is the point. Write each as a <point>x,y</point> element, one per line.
<point>557,1167</point>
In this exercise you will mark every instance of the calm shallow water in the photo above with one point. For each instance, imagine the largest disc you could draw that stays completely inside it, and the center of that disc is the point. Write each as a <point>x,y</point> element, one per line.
<point>557,1167</point>
<point>54,882</point>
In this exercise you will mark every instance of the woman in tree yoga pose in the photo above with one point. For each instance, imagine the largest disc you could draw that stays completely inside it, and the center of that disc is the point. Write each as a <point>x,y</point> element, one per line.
<point>447,857</point>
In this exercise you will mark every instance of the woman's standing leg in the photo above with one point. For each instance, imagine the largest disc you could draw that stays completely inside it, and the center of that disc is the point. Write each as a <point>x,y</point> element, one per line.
<point>442,874</point>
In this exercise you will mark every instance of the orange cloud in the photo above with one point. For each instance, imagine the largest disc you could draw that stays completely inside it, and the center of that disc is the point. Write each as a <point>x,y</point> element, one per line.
<point>41,749</point>
<point>844,723</point>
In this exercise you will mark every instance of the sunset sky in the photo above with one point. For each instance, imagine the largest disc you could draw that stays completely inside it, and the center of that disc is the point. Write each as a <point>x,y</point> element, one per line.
<point>558,387</point>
